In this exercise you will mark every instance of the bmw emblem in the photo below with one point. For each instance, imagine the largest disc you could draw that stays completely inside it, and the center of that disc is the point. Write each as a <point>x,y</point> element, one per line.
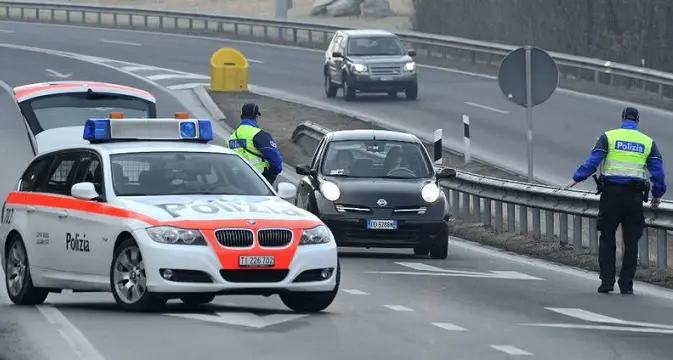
<point>252,222</point>
<point>382,202</point>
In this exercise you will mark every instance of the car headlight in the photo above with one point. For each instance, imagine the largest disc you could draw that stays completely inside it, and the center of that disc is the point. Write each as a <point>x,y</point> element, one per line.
<point>330,191</point>
<point>317,235</point>
<point>359,68</point>
<point>410,66</point>
<point>431,192</point>
<point>175,235</point>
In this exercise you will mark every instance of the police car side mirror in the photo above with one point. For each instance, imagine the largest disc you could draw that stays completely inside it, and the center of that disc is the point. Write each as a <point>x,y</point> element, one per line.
<point>84,191</point>
<point>286,190</point>
<point>446,173</point>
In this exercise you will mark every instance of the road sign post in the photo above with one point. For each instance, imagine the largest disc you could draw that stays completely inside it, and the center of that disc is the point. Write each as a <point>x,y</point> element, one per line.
<point>528,76</point>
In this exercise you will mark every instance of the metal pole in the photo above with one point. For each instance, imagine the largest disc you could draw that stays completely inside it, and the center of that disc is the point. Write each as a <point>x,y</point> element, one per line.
<point>529,112</point>
<point>466,138</point>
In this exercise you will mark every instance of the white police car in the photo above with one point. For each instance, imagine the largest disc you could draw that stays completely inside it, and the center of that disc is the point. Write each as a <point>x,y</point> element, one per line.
<point>149,211</point>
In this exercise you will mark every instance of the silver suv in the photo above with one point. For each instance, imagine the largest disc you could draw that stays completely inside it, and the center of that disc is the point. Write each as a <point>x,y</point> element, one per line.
<point>369,61</point>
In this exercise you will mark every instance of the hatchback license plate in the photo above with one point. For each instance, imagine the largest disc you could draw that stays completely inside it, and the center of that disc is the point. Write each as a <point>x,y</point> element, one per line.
<point>381,224</point>
<point>256,261</point>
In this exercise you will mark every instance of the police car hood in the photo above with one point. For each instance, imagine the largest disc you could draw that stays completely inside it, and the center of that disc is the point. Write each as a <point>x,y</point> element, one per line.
<point>57,137</point>
<point>214,207</point>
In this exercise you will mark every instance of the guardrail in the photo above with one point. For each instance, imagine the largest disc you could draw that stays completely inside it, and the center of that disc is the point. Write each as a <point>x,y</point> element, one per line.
<point>520,206</point>
<point>319,35</point>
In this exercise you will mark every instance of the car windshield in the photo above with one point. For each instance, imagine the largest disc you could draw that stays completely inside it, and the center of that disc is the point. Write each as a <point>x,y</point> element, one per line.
<point>376,159</point>
<point>184,173</point>
<point>373,46</point>
<point>74,109</point>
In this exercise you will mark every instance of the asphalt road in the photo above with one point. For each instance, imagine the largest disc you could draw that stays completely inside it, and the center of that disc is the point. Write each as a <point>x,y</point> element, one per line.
<point>478,304</point>
<point>565,128</point>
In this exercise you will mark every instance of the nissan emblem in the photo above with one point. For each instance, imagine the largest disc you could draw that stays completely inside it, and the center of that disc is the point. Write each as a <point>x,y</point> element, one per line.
<point>382,202</point>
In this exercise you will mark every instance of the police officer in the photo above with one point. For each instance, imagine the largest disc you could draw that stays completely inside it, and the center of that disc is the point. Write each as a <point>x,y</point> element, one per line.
<point>626,153</point>
<point>256,145</point>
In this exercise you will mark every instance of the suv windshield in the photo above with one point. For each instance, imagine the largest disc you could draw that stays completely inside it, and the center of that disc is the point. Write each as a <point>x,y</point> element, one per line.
<point>74,109</point>
<point>376,159</point>
<point>184,173</point>
<point>375,46</point>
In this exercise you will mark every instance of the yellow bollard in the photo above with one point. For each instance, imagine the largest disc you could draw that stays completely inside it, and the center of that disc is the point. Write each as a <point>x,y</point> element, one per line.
<point>228,70</point>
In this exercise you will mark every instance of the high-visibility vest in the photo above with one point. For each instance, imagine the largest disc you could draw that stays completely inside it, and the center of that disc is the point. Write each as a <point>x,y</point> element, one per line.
<point>241,141</point>
<point>627,155</point>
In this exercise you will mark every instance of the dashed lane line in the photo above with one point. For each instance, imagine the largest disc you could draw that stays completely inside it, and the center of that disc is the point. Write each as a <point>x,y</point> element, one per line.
<point>398,308</point>
<point>354,292</point>
<point>449,326</point>
<point>120,42</point>
<point>511,350</point>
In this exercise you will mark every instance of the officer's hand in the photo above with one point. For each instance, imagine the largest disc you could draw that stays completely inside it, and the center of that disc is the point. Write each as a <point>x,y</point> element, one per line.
<point>654,204</point>
<point>570,184</point>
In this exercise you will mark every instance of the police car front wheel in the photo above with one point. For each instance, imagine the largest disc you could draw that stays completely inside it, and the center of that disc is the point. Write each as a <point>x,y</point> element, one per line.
<point>128,279</point>
<point>17,275</point>
<point>312,302</point>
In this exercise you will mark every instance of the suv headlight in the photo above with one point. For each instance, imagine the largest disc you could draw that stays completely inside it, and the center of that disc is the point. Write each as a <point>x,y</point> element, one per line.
<point>317,235</point>
<point>410,66</point>
<point>330,191</point>
<point>175,235</point>
<point>359,68</point>
<point>431,192</point>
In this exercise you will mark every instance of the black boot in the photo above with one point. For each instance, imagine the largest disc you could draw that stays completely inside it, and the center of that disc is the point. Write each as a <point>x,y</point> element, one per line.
<point>606,287</point>
<point>625,287</point>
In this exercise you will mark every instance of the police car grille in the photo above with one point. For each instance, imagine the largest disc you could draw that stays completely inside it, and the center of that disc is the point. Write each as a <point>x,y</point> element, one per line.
<point>385,69</point>
<point>234,238</point>
<point>274,237</point>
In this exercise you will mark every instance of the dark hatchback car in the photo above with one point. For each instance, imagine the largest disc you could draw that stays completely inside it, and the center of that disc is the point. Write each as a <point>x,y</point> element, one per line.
<point>378,189</point>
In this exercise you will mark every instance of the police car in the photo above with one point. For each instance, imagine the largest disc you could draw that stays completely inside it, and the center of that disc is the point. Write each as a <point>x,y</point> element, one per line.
<point>149,211</point>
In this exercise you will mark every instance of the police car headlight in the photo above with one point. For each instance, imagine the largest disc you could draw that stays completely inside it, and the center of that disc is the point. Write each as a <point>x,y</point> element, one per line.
<point>174,235</point>
<point>431,192</point>
<point>317,235</point>
<point>410,66</point>
<point>330,191</point>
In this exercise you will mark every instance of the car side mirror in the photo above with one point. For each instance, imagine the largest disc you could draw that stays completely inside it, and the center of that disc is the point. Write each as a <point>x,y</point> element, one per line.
<point>304,170</point>
<point>286,190</point>
<point>446,173</point>
<point>84,191</point>
<point>337,54</point>
<point>411,52</point>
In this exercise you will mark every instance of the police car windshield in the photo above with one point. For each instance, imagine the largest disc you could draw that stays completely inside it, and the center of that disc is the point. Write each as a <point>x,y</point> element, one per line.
<point>376,159</point>
<point>375,46</point>
<point>184,173</point>
<point>73,109</point>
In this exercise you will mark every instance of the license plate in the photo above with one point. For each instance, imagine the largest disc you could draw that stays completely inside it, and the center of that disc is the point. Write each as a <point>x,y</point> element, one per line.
<point>256,261</point>
<point>386,78</point>
<point>381,224</point>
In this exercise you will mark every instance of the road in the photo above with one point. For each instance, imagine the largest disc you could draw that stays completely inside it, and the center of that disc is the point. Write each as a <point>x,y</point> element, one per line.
<point>565,128</point>
<point>478,304</point>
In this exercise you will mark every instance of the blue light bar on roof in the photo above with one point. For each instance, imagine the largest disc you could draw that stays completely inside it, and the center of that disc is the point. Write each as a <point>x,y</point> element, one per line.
<point>101,130</point>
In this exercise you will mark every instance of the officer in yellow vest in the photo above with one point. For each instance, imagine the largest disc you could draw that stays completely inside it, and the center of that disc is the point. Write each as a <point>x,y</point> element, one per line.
<point>256,145</point>
<point>626,154</point>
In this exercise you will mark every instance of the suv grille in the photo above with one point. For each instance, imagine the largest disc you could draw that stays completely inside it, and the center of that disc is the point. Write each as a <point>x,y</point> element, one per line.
<point>235,238</point>
<point>385,69</point>
<point>274,237</point>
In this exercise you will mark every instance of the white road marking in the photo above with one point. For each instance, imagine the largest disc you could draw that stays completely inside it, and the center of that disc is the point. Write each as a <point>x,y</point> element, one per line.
<point>7,31</point>
<point>487,108</point>
<point>177,76</point>
<point>242,319</point>
<point>120,42</point>
<point>606,328</point>
<point>511,275</point>
<point>79,343</point>
<point>139,68</point>
<point>398,308</point>
<point>57,74</point>
<point>593,317</point>
<point>420,266</point>
<point>255,61</point>
<point>511,350</point>
<point>187,86</point>
<point>354,292</point>
<point>449,327</point>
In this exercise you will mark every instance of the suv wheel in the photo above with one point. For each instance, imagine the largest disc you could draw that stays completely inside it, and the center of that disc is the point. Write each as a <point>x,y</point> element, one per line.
<point>330,88</point>
<point>411,92</point>
<point>349,91</point>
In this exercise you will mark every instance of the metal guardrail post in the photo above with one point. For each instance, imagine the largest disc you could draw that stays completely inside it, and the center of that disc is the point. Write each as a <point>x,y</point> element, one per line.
<point>537,233</point>
<point>644,248</point>
<point>577,233</point>
<point>498,216</point>
<point>662,249</point>
<point>487,212</point>
<point>476,208</point>
<point>593,236</point>
<point>523,220</point>
<point>563,229</point>
<point>466,206</point>
<point>511,218</point>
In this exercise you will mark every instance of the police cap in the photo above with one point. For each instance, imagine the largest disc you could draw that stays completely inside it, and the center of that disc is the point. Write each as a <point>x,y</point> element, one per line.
<point>250,109</point>
<point>630,113</point>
